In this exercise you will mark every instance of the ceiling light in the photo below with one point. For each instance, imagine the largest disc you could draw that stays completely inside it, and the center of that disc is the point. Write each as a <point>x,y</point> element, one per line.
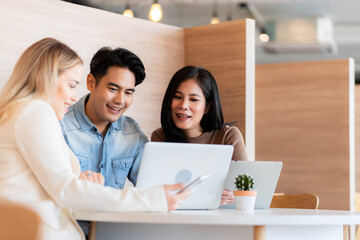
<point>263,36</point>
<point>215,19</point>
<point>155,13</point>
<point>127,12</point>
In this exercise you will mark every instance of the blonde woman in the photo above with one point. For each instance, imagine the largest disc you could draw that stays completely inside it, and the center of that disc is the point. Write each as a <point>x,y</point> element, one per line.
<point>37,168</point>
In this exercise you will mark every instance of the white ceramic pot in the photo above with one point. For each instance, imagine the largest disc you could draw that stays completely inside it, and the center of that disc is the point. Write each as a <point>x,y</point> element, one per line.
<point>245,200</point>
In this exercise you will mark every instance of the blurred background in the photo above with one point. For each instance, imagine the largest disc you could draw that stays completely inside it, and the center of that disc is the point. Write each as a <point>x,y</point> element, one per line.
<point>287,31</point>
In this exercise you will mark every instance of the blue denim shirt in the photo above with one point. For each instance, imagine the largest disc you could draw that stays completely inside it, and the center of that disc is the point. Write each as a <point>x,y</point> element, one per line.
<point>116,156</point>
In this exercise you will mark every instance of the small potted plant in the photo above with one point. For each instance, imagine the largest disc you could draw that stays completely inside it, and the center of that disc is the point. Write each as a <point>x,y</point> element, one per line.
<point>244,196</point>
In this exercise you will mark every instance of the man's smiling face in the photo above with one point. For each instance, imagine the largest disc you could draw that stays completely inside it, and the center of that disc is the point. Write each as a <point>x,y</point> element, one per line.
<point>111,97</point>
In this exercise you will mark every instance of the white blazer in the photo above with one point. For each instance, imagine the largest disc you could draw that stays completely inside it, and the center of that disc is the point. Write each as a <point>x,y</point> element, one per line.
<point>38,169</point>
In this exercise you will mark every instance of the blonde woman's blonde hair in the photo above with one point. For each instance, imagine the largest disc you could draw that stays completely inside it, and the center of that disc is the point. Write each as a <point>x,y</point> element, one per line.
<point>35,74</point>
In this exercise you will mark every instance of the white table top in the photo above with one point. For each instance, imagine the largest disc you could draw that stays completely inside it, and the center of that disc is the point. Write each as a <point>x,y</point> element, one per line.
<point>271,216</point>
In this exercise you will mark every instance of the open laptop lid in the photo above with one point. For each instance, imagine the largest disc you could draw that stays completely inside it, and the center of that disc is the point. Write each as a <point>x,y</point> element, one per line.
<point>265,174</point>
<point>169,163</point>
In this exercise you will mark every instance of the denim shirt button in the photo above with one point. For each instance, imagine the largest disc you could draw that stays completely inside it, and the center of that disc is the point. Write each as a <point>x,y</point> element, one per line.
<point>101,165</point>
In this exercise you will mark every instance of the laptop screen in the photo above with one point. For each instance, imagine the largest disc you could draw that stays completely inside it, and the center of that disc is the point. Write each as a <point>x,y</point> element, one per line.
<point>265,175</point>
<point>169,163</point>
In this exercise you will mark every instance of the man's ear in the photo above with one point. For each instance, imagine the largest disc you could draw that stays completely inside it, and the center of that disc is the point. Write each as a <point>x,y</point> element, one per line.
<point>90,82</point>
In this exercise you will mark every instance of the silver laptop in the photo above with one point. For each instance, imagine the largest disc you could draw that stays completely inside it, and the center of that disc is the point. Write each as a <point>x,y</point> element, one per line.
<point>169,163</point>
<point>265,174</point>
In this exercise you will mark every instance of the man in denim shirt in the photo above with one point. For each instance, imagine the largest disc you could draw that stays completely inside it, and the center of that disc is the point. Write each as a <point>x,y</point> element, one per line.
<point>102,138</point>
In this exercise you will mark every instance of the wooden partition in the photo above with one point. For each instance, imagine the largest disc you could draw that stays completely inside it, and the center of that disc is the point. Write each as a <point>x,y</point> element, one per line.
<point>305,118</point>
<point>160,46</point>
<point>227,50</point>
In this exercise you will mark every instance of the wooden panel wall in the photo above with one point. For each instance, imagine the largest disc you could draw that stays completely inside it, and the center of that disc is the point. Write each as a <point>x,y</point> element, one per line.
<point>223,49</point>
<point>161,47</point>
<point>302,119</point>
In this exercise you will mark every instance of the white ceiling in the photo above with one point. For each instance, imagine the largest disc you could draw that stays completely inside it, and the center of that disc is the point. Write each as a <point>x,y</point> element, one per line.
<point>345,15</point>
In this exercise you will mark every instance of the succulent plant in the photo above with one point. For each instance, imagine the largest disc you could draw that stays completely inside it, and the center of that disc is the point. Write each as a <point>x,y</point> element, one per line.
<point>244,182</point>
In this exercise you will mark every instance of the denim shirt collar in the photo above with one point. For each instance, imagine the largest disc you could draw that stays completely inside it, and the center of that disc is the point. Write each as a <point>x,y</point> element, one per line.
<point>86,124</point>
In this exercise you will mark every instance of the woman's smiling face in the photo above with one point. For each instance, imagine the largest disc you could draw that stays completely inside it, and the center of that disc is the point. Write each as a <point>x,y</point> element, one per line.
<point>66,93</point>
<point>188,107</point>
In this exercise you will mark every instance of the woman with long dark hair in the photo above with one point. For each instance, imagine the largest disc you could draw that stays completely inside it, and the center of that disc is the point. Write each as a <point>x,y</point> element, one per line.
<point>191,112</point>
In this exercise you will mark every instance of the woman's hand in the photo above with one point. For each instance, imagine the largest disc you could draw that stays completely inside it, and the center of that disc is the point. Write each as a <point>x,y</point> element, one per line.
<point>227,198</point>
<point>93,177</point>
<point>175,200</point>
